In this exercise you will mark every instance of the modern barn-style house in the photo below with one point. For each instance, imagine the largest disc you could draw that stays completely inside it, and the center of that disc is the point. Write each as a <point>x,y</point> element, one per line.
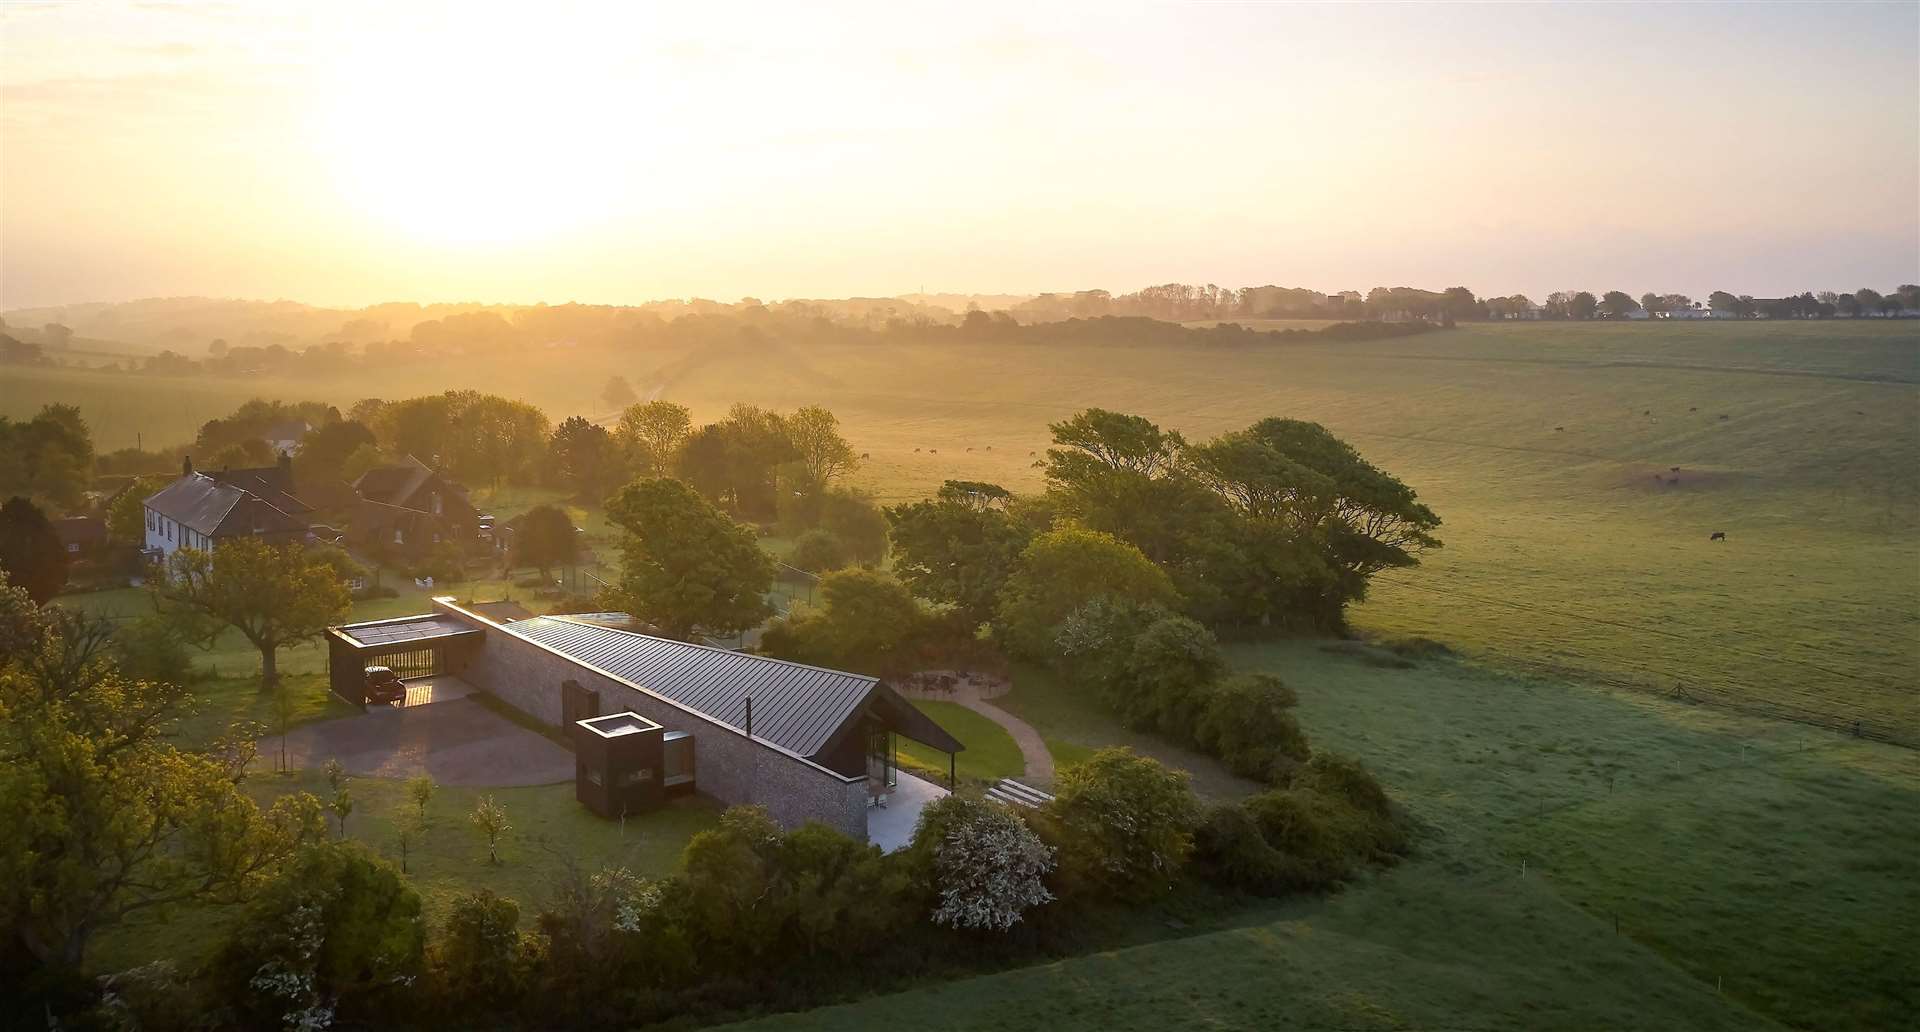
<point>650,717</point>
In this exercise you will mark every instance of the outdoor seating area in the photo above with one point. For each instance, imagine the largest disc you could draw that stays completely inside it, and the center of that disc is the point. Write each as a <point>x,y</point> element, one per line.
<point>890,825</point>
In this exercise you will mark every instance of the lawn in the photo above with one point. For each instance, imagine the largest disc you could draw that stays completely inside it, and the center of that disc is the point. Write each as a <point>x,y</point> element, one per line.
<point>991,753</point>
<point>550,833</point>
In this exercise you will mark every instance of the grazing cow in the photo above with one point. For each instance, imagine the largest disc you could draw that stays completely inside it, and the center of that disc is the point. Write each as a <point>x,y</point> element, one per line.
<point>1648,412</point>
<point>1673,469</point>
<point>1723,415</point>
<point>1559,428</point>
<point>1718,535</point>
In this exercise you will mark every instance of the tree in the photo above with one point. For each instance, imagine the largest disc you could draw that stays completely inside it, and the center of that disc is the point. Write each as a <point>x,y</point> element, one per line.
<point>1581,305</point>
<point>1062,570</point>
<point>735,462</point>
<point>685,565</point>
<point>325,450</point>
<point>106,817</point>
<point>1867,298</point>
<point>544,536</point>
<point>823,456</point>
<point>420,790</point>
<point>491,818</point>
<point>1616,304</point>
<point>960,548</point>
<point>274,595</point>
<point>361,459</point>
<point>1653,303</point>
<point>1297,478</point>
<point>818,551</point>
<point>127,516</point>
<point>1126,823</point>
<point>865,621</point>
<point>987,868</point>
<point>618,393</point>
<point>49,456</point>
<point>653,434</point>
<point>584,457</point>
<point>338,929</point>
<point>31,555</point>
<point>1721,301</point>
<point>859,524</point>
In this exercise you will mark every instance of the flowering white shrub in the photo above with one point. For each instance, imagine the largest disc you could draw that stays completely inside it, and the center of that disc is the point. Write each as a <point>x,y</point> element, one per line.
<point>989,869</point>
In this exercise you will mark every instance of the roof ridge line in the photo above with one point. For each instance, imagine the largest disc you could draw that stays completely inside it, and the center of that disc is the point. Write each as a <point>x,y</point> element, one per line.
<point>697,645</point>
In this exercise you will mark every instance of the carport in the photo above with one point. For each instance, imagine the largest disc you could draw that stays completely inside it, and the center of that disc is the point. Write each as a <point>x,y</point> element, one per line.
<point>418,649</point>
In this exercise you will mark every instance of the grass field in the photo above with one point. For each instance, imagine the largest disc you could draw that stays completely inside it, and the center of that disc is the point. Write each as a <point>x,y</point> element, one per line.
<point>1538,444</point>
<point>1759,873</point>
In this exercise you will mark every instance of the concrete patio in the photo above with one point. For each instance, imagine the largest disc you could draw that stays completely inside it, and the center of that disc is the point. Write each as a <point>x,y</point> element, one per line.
<point>891,826</point>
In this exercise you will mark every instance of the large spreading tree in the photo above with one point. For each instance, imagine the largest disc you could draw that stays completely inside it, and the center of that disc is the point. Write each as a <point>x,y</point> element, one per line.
<point>959,547</point>
<point>687,567</point>
<point>274,595</point>
<point>106,816</point>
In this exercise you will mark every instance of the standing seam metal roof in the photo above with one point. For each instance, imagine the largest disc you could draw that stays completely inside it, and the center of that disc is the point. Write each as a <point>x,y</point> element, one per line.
<point>795,706</point>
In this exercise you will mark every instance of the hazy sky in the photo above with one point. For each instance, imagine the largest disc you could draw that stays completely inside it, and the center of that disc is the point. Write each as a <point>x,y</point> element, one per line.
<point>347,154</point>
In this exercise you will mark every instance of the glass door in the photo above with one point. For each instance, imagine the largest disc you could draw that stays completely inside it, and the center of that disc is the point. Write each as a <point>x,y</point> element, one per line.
<point>882,767</point>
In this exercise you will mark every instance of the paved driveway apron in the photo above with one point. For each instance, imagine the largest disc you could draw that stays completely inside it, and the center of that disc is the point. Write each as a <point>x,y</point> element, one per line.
<point>458,742</point>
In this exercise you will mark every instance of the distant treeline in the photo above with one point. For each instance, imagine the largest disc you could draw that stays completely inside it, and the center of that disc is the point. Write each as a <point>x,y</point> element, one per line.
<point>1184,302</point>
<point>572,326</point>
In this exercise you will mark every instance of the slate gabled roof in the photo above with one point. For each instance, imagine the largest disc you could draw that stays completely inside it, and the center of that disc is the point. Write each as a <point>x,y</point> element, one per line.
<point>271,484</point>
<point>797,707</point>
<point>218,509</point>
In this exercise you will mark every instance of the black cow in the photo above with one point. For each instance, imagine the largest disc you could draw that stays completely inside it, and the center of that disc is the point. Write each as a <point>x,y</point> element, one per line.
<point>1718,535</point>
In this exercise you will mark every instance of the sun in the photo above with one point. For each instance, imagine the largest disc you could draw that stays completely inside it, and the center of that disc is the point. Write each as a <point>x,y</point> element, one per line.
<point>492,135</point>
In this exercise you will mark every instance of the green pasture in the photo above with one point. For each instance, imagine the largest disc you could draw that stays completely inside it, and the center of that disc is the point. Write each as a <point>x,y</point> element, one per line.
<point>1586,860</point>
<point>1539,444</point>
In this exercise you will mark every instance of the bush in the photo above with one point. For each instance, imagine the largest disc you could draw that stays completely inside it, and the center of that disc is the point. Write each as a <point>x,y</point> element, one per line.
<point>1246,725</point>
<point>1169,670</point>
<point>1124,822</point>
<point>985,868</point>
<point>337,927</point>
<point>480,956</point>
<point>751,892</point>
<point>818,551</point>
<point>1312,833</point>
<point>1344,777</point>
<point>1229,850</point>
<point>151,649</point>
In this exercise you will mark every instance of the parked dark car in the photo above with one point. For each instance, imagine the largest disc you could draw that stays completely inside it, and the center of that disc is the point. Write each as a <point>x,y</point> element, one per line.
<point>383,686</point>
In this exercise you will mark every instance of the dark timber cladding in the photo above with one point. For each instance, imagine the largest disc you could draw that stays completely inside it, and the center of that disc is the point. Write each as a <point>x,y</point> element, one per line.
<point>797,707</point>
<point>412,645</point>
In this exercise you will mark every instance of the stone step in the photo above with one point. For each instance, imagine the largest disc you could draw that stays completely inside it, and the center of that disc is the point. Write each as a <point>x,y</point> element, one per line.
<point>1024,795</point>
<point>1009,799</point>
